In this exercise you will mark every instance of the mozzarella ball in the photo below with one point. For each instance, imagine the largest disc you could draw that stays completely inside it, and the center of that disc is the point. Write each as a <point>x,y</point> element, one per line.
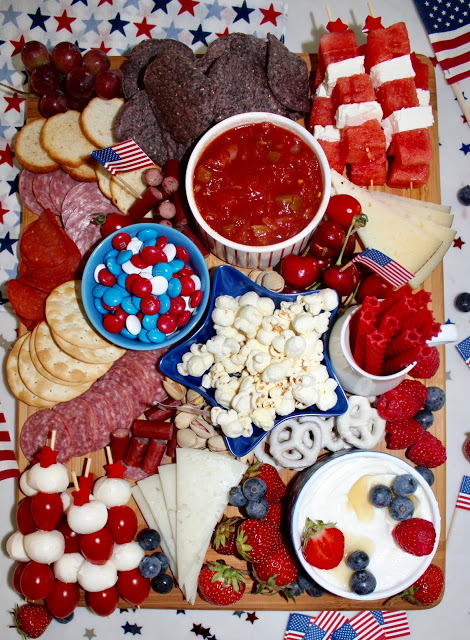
<point>44,547</point>
<point>66,568</point>
<point>15,547</point>
<point>113,492</point>
<point>88,518</point>
<point>97,577</point>
<point>52,479</point>
<point>25,487</point>
<point>127,556</point>
<point>66,497</point>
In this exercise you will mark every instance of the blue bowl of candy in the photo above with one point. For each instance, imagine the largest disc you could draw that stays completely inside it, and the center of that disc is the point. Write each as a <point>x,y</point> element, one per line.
<point>229,281</point>
<point>145,287</point>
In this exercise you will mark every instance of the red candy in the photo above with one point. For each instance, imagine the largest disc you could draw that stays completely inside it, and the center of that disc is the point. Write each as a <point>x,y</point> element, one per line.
<point>183,318</point>
<point>195,299</point>
<point>150,305</point>
<point>130,280</point>
<point>120,241</point>
<point>113,323</point>
<point>141,287</point>
<point>182,254</point>
<point>166,323</point>
<point>106,277</point>
<point>121,314</point>
<point>177,305</point>
<point>185,271</point>
<point>152,255</point>
<point>187,286</point>
<point>106,306</point>
<point>138,262</point>
<point>162,241</point>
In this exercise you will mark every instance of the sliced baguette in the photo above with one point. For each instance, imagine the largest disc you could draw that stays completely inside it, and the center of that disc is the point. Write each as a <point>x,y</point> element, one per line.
<point>29,151</point>
<point>84,173</point>
<point>63,139</point>
<point>97,120</point>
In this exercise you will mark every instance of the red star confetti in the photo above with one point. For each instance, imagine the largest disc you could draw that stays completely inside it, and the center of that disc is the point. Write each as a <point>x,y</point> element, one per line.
<point>64,22</point>
<point>269,15</point>
<point>5,156</point>
<point>103,1</point>
<point>14,102</point>
<point>17,45</point>
<point>115,470</point>
<point>458,243</point>
<point>47,456</point>
<point>187,5</point>
<point>143,28</point>
<point>337,25</point>
<point>225,33</point>
<point>103,47</point>
<point>3,212</point>
<point>251,617</point>
<point>372,23</point>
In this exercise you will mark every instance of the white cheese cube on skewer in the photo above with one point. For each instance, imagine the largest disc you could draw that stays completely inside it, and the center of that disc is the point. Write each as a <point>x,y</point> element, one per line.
<point>355,114</point>
<point>342,69</point>
<point>395,69</point>
<point>329,133</point>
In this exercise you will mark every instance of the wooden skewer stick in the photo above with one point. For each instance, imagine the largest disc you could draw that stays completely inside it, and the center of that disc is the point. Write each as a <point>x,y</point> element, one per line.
<point>127,186</point>
<point>109,455</point>
<point>411,184</point>
<point>87,467</point>
<point>75,481</point>
<point>345,266</point>
<point>451,526</point>
<point>328,11</point>
<point>53,435</point>
<point>371,11</point>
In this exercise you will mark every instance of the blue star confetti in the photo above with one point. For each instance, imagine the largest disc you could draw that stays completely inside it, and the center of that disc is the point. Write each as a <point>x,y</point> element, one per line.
<point>243,12</point>
<point>465,148</point>
<point>131,628</point>
<point>38,20</point>
<point>199,35</point>
<point>117,24</point>
<point>161,4</point>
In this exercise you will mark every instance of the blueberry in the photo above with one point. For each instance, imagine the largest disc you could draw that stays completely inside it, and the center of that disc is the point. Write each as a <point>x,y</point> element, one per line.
<point>254,489</point>
<point>236,497</point>
<point>463,195</point>
<point>380,496</point>
<point>425,418</point>
<point>427,474</point>
<point>436,399</point>
<point>357,560</point>
<point>296,589</point>
<point>311,587</point>
<point>257,510</point>
<point>401,508</point>
<point>66,620</point>
<point>462,302</point>
<point>362,582</point>
<point>149,539</point>
<point>150,566</point>
<point>404,485</point>
<point>163,561</point>
<point>315,591</point>
<point>163,583</point>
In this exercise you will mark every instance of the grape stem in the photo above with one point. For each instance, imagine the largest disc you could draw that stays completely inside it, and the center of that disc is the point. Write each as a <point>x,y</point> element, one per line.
<point>24,93</point>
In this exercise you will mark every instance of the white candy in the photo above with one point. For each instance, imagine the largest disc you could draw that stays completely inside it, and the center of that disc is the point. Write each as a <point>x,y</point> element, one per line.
<point>133,325</point>
<point>170,251</point>
<point>15,547</point>
<point>128,267</point>
<point>25,487</point>
<point>44,547</point>
<point>52,479</point>
<point>127,556</point>
<point>97,577</point>
<point>159,285</point>
<point>197,281</point>
<point>134,245</point>
<point>113,492</point>
<point>87,518</point>
<point>66,568</point>
<point>98,268</point>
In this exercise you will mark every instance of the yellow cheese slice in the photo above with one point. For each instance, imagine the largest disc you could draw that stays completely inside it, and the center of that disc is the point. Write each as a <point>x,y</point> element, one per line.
<point>425,210</point>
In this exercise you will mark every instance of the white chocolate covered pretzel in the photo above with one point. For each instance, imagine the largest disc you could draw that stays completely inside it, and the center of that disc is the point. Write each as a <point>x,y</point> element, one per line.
<point>361,426</point>
<point>295,445</point>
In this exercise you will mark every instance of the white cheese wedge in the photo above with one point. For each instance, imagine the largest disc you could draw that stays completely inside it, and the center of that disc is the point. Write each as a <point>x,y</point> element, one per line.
<point>341,69</point>
<point>395,69</point>
<point>167,473</point>
<point>203,481</point>
<point>424,97</point>
<point>328,134</point>
<point>355,114</point>
<point>428,210</point>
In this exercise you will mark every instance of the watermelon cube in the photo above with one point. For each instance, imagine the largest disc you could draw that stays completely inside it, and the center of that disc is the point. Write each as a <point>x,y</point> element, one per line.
<point>386,44</point>
<point>369,173</point>
<point>319,75</point>
<point>422,72</point>
<point>334,154</point>
<point>336,46</point>
<point>411,148</point>
<point>363,143</point>
<point>356,88</point>
<point>323,112</point>
<point>408,177</point>
<point>397,94</point>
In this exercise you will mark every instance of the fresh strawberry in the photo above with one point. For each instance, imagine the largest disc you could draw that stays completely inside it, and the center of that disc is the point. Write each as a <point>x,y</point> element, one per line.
<point>322,544</point>
<point>277,571</point>
<point>466,447</point>
<point>274,515</point>
<point>220,584</point>
<point>256,539</point>
<point>414,388</point>
<point>225,536</point>
<point>397,405</point>
<point>428,451</point>
<point>415,536</point>
<point>275,487</point>
<point>428,363</point>
<point>427,589</point>
<point>402,434</point>
<point>31,620</point>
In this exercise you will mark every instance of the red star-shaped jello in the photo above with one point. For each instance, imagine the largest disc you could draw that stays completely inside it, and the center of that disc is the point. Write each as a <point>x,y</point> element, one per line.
<point>86,482</point>
<point>81,497</point>
<point>47,457</point>
<point>115,470</point>
<point>337,25</point>
<point>372,23</point>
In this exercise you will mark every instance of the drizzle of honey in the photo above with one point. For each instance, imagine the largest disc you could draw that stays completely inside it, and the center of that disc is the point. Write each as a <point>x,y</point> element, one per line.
<point>358,496</point>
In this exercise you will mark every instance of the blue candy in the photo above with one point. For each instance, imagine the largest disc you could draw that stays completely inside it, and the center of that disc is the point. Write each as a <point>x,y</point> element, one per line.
<point>162,269</point>
<point>150,322</point>
<point>151,242</point>
<point>136,302</point>
<point>99,307</point>
<point>147,234</point>
<point>113,267</point>
<point>164,303</point>
<point>143,336</point>
<point>98,290</point>
<point>124,256</point>
<point>128,334</point>
<point>174,288</point>
<point>112,253</point>
<point>128,307</point>
<point>155,335</point>
<point>113,296</point>
<point>121,279</point>
<point>176,265</point>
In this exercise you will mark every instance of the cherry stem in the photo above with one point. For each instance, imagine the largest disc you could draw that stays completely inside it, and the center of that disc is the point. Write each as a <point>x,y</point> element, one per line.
<point>356,223</point>
<point>351,298</point>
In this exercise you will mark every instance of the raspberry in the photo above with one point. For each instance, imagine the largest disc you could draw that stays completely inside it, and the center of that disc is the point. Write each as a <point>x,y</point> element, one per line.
<point>416,536</point>
<point>414,388</point>
<point>428,363</point>
<point>402,434</point>
<point>428,451</point>
<point>396,405</point>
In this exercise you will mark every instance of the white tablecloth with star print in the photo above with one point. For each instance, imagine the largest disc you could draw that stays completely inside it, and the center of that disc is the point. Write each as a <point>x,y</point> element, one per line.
<point>115,26</point>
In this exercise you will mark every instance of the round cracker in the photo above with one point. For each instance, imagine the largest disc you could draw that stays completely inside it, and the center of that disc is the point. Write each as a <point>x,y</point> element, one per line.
<point>66,317</point>
<point>41,386</point>
<point>38,364</point>
<point>93,356</point>
<point>16,384</point>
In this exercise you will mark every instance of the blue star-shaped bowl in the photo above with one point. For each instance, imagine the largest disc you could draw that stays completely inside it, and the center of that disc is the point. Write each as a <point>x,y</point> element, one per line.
<point>229,281</point>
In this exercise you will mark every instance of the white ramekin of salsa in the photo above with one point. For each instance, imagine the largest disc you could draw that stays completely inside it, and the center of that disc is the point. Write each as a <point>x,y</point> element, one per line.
<point>258,185</point>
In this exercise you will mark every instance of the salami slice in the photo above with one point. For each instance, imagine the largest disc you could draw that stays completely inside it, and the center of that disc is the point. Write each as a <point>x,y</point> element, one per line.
<point>60,185</point>
<point>88,238</point>
<point>135,473</point>
<point>28,302</point>
<point>130,376</point>
<point>82,421</point>
<point>80,203</point>
<point>106,421</point>
<point>25,189</point>
<point>38,428</point>
<point>44,243</point>
<point>120,400</point>
<point>41,184</point>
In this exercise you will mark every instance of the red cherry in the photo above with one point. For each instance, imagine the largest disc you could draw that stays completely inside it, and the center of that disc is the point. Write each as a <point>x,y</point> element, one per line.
<point>150,305</point>
<point>300,271</point>
<point>63,599</point>
<point>71,537</point>
<point>36,581</point>
<point>330,234</point>
<point>323,263</point>
<point>322,253</point>
<point>138,262</point>
<point>120,241</point>
<point>344,282</point>
<point>47,510</point>
<point>350,247</point>
<point>177,305</point>
<point>133,587</point>
<point>182,254</point>
<point>183,318</point>
<point>122,524</point>
<point>113,323</point>
<point>141,287</point>
<point>24,518</point>
<point>161,242</point>
<point>103,603</point>
<point>17,576</point>
<point>187,286</point>
<point>342,208</point>
<point>196,299</point>
<point>97,547</point>
<point>106,277</point>
<point>374,286</point>
<point>151,255</point>
<point>166,323</point>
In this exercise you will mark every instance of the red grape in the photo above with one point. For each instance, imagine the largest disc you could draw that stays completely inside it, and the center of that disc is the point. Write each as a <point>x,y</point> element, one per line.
<point>66,56</point>
<point>122,523</point>
<point>79,83</point>
<point>108,84</point>
<point>53,103</point>
<point>97,547</point>
<point>24,518</point>
<point>133,587</point>
<point>17,576</point>
<point>34,54</point>
<point>45,80</point>
<point>96,61</point>
<point>77,104</point>
<point>71,537</point>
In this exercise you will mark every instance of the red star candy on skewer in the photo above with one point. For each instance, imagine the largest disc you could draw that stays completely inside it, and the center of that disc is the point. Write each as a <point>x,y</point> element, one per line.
<point>372,23</point>
<point>337,25</point>
<point>86,483</point>
<point>47,457</point>
<point>115,470</point>
<point>81,497</point>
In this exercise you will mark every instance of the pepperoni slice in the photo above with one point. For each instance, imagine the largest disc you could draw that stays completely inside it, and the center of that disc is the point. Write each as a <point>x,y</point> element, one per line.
<point>44,243</point>
<point>27,302</point>
<point>38,428</point>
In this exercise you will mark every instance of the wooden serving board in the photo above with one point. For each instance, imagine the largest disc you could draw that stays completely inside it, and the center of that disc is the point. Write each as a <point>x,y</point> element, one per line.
<point>250,601</point>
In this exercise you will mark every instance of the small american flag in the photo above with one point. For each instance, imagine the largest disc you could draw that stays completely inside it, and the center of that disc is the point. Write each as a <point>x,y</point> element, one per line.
<point>448,27</point>
<point>325,623</point>
<point>384,266</point>
<point>362,627</point>
<point>395,624</point>
<point>297,626</point>
<point>8,463</point>
<point>463,499</point>
<point>464,349</point>
<point>123,156</point>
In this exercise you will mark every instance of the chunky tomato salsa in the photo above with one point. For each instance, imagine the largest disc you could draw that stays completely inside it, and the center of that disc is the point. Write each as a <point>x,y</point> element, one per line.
<point>258,184</point>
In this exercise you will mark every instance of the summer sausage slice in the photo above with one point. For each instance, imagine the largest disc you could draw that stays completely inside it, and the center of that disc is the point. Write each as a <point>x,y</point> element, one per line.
<point>39,427</point>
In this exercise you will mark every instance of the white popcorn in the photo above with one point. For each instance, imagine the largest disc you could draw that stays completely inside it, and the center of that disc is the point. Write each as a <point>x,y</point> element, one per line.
<point>226,302</point>
<point>197,365</point>
<point>264,418</point>
<point>248,320</point>
<point>229,332</point>
<point>304,323</point>
<point>223,317</point>
<point>295,346</point>
<point>329,299</point>
<point>257,361</point>
<point>250,298</point>
<point>285,404</point>
<point>266,306</point>
<point>224,395</point>
<point>274,372</point>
